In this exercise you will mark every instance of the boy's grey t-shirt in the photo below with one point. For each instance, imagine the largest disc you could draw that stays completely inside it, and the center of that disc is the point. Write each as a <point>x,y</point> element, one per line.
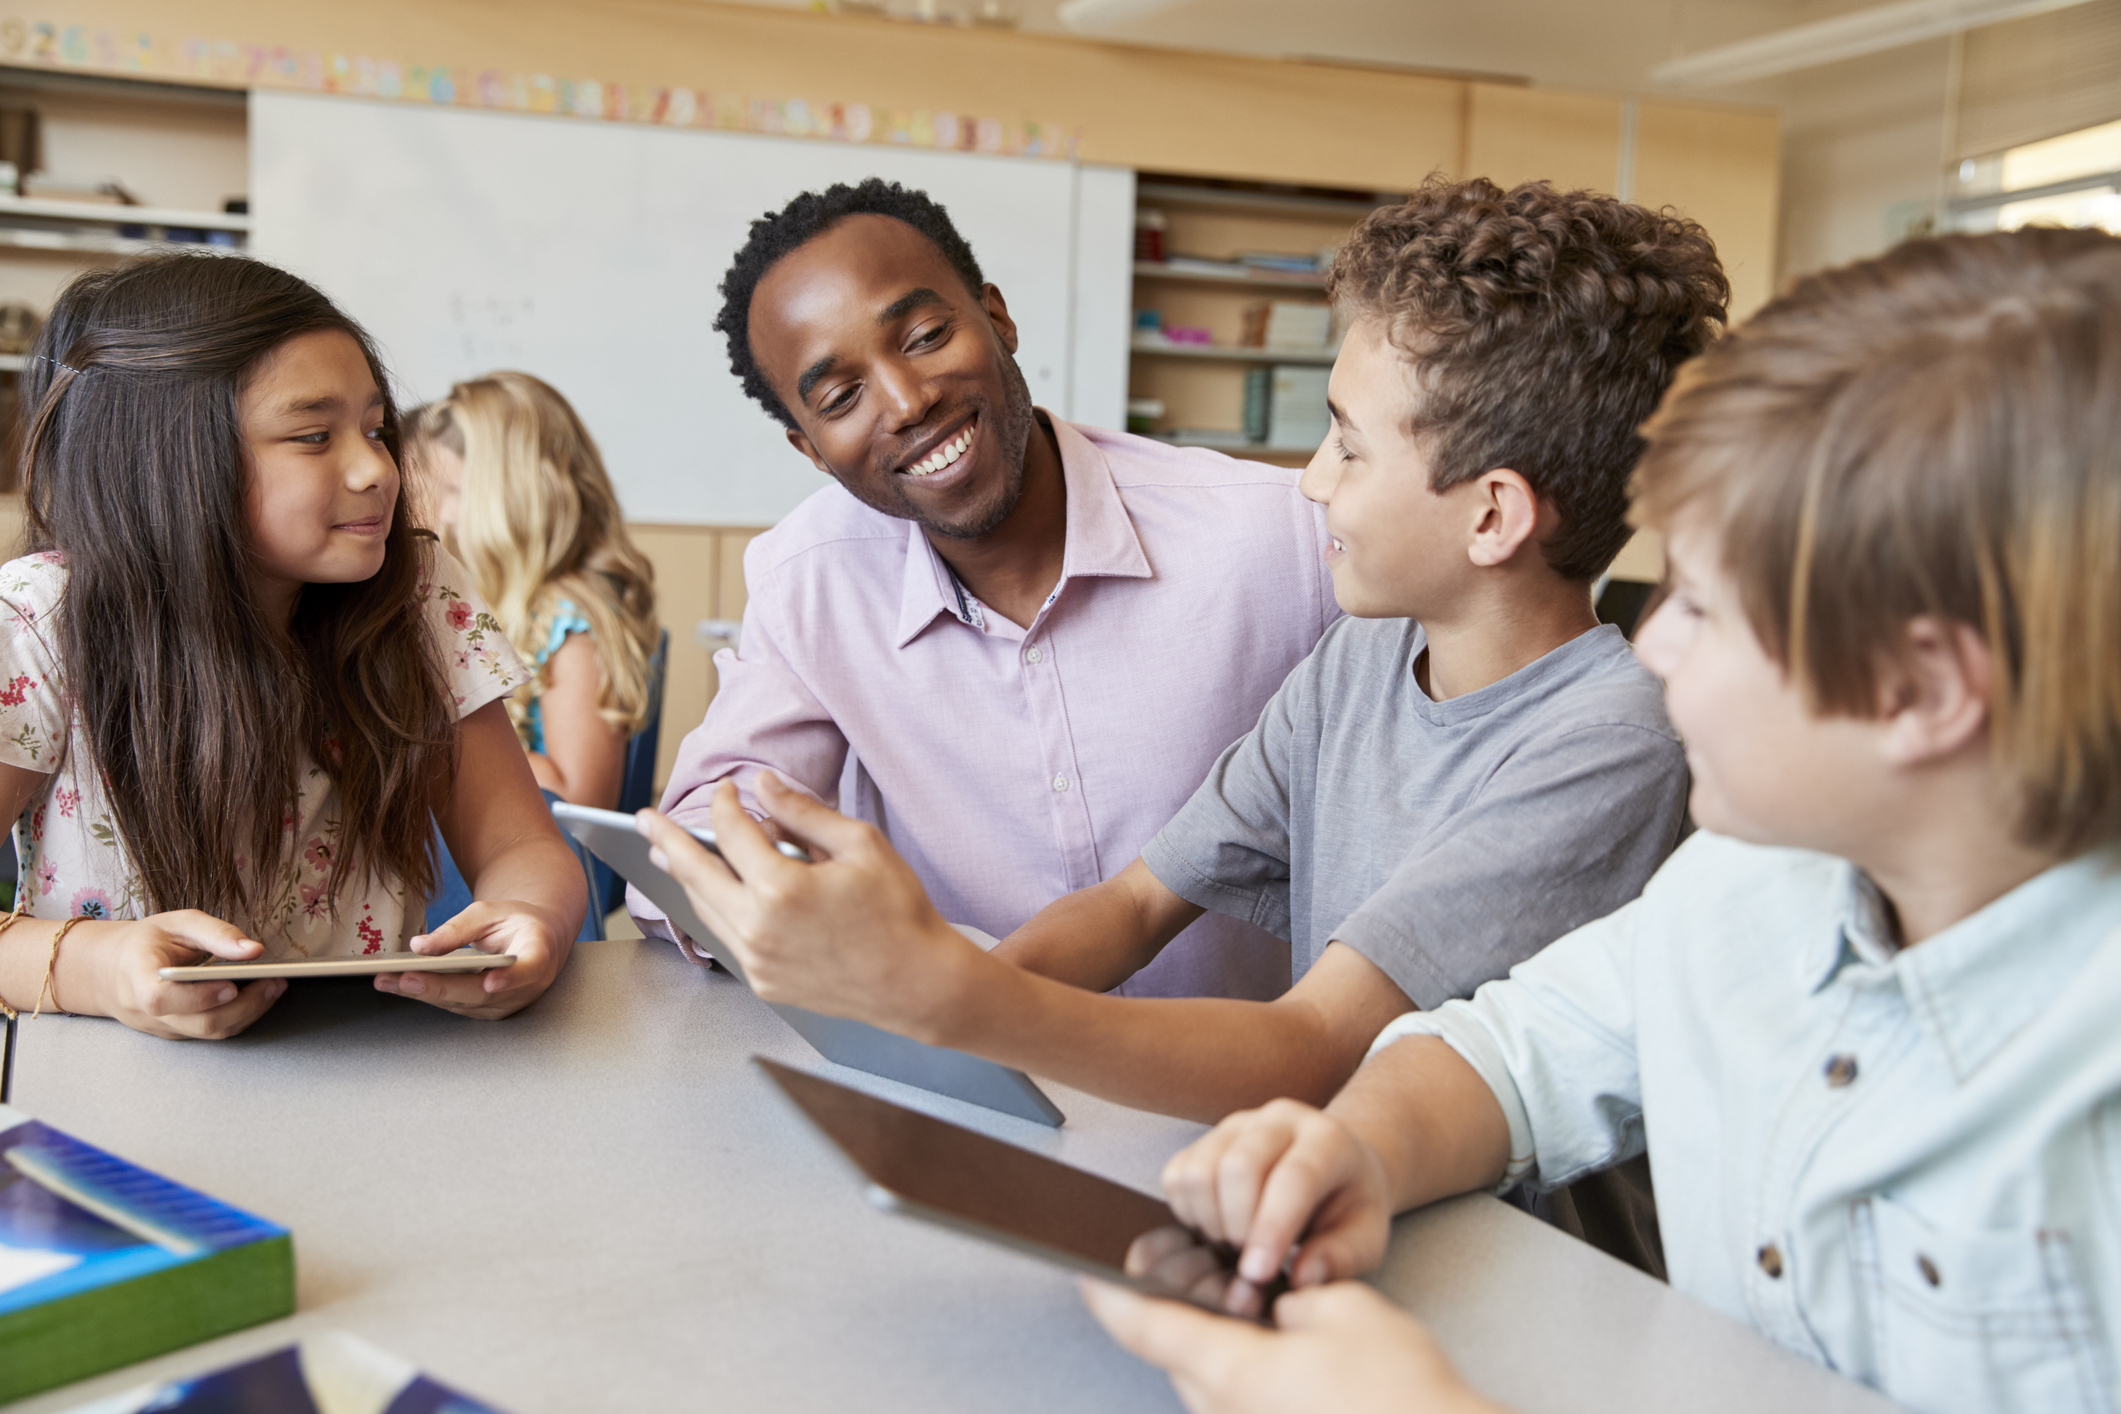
<point>1444,841</point>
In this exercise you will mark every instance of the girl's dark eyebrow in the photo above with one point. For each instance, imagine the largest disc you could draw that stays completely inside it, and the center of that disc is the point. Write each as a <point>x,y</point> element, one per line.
<point>326,402</point>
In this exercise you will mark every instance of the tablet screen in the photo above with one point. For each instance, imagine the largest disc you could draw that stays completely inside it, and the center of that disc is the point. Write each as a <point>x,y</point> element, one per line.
<point>929,1169</point>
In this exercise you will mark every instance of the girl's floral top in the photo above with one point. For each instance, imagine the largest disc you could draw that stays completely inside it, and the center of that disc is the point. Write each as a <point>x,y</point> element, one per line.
<point>72,861</point>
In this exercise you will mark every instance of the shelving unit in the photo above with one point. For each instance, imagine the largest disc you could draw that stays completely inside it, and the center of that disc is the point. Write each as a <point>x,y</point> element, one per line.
<point>1202,386</point>
<point>184,151</point>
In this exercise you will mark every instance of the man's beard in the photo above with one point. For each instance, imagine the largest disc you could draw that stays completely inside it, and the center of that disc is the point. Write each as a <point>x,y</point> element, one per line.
<point>1012,433</point>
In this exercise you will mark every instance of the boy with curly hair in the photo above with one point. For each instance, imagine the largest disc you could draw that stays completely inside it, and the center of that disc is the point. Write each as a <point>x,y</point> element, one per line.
<point>1466,767</point>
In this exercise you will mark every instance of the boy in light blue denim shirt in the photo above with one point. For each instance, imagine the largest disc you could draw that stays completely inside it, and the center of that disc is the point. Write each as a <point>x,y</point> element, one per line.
<point>1867,1023</point>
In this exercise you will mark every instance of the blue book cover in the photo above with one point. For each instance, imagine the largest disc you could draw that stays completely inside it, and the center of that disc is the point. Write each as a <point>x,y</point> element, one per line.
<point>103,1263</point>
<point>324,1374</point>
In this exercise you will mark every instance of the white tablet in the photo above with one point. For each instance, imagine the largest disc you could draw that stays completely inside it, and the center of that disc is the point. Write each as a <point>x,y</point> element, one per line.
<point>616,839</point>
<point>366,965</point>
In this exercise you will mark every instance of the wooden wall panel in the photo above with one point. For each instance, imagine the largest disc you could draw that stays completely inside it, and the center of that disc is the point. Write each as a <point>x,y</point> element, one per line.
<point>1534,134</point>
<point>1721,166</point>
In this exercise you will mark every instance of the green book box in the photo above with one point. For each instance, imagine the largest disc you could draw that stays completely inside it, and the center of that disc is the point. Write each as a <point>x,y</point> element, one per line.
<point>103,1263</point>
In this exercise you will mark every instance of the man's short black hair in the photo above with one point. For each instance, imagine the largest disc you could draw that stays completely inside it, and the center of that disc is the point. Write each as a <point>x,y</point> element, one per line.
<point>778,232</point>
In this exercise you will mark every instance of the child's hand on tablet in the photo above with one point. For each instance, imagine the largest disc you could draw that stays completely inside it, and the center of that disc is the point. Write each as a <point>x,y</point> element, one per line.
<point>1269,1178</point>
<point>517,929</point>
<point>121,964</point>
<point>1341,1347</point>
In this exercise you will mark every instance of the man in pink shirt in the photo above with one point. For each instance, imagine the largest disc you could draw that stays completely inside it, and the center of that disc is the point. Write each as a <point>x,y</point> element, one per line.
<point>1014,644</point>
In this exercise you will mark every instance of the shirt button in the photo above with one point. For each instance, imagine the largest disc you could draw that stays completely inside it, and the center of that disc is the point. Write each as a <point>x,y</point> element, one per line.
<point>1770,1259</point>
<point>1032,655</point>
<point>1060,782</point>
<point>1929,1270</point>
<point>1840,1071</point>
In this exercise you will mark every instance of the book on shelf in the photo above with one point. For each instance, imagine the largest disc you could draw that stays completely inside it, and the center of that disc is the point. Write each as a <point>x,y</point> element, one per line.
<point>1288,324</point>
<point>330,1373</point>
<point>103,1263</point>
<point>1282,262</point>
<point>1285,406</point>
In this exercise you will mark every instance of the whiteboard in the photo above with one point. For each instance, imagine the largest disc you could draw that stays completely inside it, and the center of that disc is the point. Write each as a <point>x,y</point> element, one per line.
<point>589,254</point>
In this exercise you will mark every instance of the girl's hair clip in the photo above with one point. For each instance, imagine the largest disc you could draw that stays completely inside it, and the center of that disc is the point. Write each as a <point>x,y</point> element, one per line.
<point>40,358</point>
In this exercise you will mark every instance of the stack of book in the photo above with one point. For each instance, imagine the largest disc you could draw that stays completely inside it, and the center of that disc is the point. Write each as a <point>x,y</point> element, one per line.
<point>1285,406</point>
<point>103,1263</point>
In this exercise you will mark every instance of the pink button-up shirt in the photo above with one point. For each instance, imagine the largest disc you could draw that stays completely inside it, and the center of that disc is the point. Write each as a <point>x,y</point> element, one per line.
<point>1008,765</point>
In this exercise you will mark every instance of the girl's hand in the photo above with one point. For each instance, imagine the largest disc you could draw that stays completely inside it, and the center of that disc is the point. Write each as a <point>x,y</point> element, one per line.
<point>498,926</point>
<point>120,962</point>
<point>1269,1178</point>
<point>1340,1347</point>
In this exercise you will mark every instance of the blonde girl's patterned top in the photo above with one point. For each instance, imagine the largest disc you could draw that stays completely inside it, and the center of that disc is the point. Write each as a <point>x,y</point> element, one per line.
<point>71,859</point>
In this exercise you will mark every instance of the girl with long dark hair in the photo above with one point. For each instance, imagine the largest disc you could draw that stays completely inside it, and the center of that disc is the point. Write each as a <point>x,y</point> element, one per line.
<point>235,683</point>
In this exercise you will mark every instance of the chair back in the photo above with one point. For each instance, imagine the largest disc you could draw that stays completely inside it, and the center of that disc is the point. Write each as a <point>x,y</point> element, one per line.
<point>637,786</point>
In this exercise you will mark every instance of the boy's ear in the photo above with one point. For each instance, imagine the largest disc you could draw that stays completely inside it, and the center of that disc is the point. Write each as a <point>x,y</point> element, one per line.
<point>1934,697</point>
<point>1507,512</point>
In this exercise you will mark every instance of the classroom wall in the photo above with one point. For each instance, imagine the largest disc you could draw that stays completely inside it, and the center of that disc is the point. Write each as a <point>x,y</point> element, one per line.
<point>1862,154</point>
<point>1153,109</point>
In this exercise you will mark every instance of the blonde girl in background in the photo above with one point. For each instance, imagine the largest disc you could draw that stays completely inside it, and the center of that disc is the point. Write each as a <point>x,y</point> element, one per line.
<point>514,483</point>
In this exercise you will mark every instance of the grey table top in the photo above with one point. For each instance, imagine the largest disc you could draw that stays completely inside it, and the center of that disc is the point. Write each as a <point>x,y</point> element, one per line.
<point>598,1205</point>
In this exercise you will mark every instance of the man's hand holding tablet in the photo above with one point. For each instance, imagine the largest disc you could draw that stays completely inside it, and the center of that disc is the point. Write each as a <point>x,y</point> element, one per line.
<point>850,934</point>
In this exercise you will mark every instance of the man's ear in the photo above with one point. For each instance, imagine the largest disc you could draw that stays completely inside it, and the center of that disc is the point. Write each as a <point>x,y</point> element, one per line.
<point>990,299</point>
<point>1934,697</point>
<point>1507,512</point>
<point>801,443</point>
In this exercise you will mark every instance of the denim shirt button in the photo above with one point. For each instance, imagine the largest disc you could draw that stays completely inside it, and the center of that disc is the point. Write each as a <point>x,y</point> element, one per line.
<point>1840,1071</point>
<point>1770,1259</point>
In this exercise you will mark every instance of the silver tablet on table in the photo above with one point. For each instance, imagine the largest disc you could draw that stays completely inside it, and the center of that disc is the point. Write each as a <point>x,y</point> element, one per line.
<point>945,1174</point>
<point>611,837</point>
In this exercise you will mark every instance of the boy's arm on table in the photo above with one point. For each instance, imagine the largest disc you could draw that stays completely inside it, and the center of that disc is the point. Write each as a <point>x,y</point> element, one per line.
<point>526,884</point>
<point>913,973</point>
<point>584,760</point>
<point>1536,1078</point>
<point>1547,1054</point>
<point>1096,938</point>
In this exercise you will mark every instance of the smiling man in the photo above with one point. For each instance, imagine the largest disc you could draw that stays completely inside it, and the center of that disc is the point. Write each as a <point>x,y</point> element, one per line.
<point>1467,766</point>
<point>1013,644</point>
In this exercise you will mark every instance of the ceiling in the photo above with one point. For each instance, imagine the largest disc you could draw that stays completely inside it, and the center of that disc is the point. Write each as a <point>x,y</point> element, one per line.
<point>1592,44</point>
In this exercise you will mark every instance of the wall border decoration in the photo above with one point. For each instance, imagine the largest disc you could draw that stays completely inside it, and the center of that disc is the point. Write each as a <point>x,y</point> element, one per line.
<point>225,63</point>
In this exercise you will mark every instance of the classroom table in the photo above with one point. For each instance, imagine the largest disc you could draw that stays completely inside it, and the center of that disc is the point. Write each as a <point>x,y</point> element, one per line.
<point>599,1205</point>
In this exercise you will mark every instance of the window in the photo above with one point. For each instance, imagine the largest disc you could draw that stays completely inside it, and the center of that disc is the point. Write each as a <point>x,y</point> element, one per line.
<point>2071,180</point>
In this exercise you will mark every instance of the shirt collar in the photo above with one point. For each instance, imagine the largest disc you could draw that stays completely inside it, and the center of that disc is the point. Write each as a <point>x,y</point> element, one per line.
<point>1101,540</point>
<point>1981,981</point>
